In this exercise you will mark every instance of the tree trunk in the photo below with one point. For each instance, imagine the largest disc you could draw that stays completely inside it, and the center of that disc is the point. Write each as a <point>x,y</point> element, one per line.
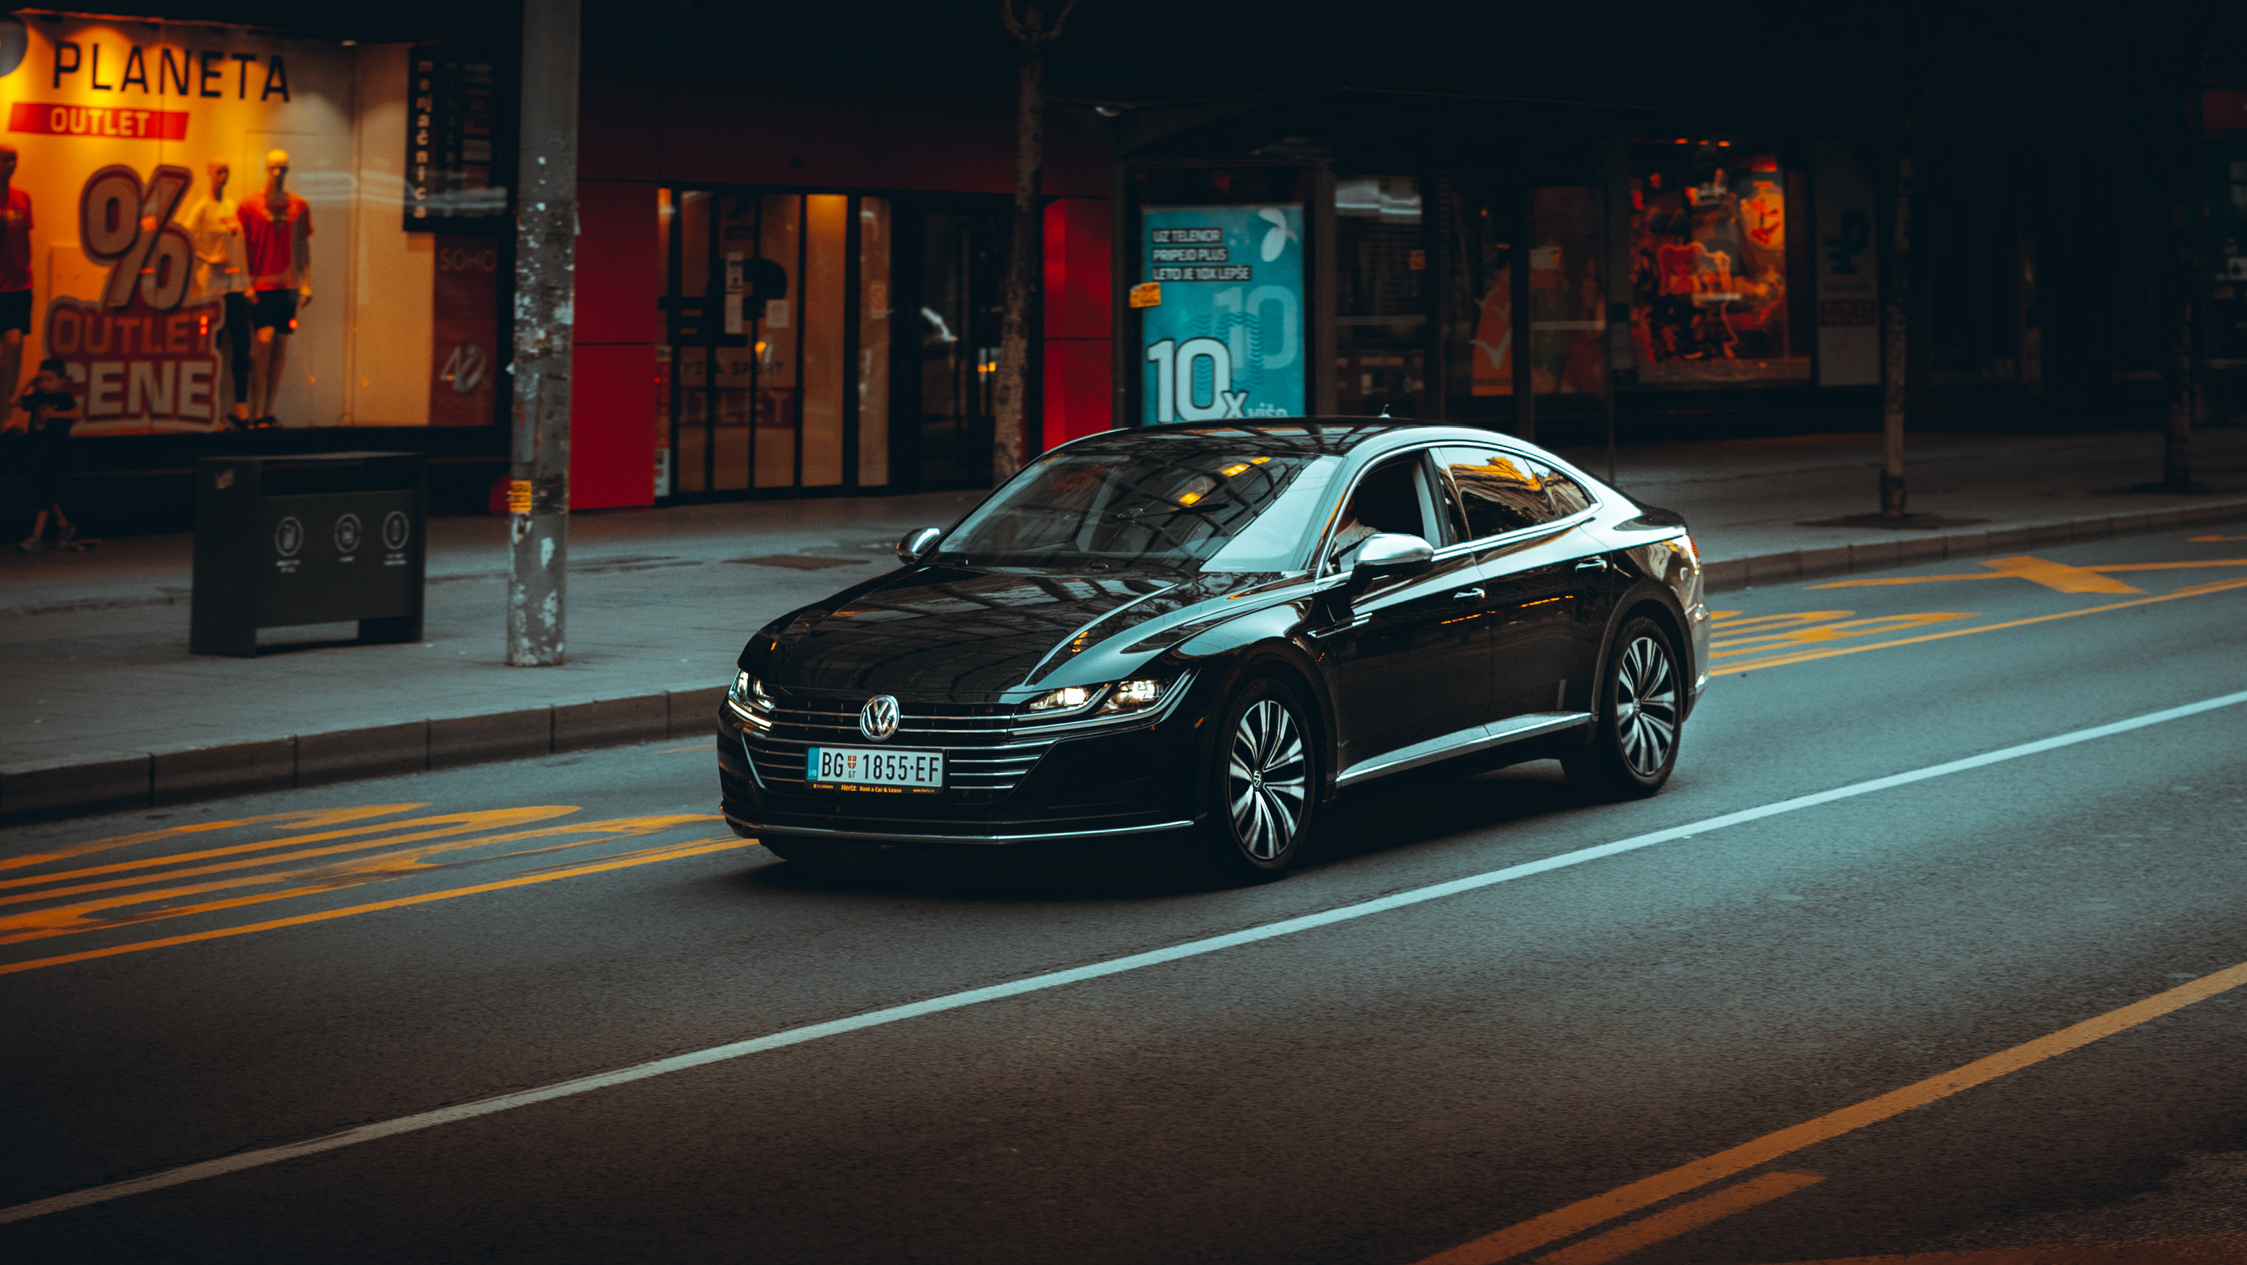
<point>1010,393</point>
<point>2184,277</point>
<point>1893,346</point>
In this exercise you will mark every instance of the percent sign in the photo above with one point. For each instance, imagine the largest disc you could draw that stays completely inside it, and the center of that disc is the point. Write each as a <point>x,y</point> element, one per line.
<point>128,227</point>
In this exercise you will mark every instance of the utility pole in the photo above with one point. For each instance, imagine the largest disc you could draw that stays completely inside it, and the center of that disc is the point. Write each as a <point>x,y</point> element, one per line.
<point>538,495</point>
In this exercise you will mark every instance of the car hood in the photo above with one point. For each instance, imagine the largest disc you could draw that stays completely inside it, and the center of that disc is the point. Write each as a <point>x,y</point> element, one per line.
<point>967,633</point>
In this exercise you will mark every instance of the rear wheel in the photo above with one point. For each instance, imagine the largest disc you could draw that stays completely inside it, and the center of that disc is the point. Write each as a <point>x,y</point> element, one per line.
<point>1641,713</point>
<point>1263,783</point>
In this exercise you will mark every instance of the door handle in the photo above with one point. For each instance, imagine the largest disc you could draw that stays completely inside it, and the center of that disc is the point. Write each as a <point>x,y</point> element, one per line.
<point>1467,595</point>
<point>1592,564</point>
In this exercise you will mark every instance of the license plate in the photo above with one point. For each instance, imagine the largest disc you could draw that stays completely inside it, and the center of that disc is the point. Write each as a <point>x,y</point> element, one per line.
<point>874,769</point>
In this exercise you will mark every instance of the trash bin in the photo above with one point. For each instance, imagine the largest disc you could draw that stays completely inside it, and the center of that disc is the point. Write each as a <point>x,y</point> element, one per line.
<point>312,539</point>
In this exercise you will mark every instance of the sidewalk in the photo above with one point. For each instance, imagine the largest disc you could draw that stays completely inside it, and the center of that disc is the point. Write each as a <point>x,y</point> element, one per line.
<point>104,707</point>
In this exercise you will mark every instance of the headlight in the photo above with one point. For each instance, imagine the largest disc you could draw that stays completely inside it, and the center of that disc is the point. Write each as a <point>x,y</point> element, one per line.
<point>748,699</point>
<point>1123,696</point>
<point>1066,699</point>
<point>1131,696</point>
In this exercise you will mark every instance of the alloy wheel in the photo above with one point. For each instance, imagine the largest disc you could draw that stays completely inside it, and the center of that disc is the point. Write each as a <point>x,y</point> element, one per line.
<point>1267,779</point>
<point>1646,706</point>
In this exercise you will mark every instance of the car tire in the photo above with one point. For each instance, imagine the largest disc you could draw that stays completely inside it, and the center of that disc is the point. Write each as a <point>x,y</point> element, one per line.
<point>825,856</point>
<point>1263,783</point>
<point>1639,720</point>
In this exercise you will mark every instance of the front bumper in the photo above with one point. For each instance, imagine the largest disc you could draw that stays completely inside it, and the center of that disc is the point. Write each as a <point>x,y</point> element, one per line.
<point>1111,783</point>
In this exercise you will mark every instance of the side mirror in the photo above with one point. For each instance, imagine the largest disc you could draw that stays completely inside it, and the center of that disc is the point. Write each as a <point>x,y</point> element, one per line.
<point>1386,554</point>
<point>916,544</point>
<point>1392,553</point>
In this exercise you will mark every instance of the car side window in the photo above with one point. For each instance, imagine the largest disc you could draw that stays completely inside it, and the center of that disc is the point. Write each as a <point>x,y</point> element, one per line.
<point>1567,495</point>
<point>1498,492</point>
<point>1393,497</point>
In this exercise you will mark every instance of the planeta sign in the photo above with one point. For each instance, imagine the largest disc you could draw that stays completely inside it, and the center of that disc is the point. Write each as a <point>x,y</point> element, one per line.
<point>141,351</point>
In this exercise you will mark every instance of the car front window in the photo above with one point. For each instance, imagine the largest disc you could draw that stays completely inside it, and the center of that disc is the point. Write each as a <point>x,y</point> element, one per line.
<point>1187,502</point>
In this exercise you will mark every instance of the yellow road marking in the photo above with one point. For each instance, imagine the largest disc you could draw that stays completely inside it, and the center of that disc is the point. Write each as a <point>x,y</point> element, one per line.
<point>2052,575</point>
<point>693,847</point>
<point>711,745</point>
<point>1672,1222</point>
<point>2194,590</point>
<point>459,822</point>
<point>2204,540</point>
<point>129,908</point>
<point>1841,630</point>
<point>2226,1249</point>
<point>300,817</point>
<point>1646,1192</point>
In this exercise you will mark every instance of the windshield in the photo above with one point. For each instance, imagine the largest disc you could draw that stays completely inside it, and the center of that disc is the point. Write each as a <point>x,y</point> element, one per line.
<point>1187,503</point>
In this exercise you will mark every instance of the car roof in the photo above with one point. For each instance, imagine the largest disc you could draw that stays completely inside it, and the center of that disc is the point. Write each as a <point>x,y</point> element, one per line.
<point>1310,436</point>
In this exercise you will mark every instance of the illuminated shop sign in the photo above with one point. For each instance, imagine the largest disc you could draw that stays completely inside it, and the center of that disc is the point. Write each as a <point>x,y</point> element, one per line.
<point>139,350</point>
<point>209,225</point>
<point>1224,335</point>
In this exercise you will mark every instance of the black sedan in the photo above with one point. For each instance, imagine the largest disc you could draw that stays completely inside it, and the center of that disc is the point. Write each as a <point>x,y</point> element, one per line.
<point>1216,629</point>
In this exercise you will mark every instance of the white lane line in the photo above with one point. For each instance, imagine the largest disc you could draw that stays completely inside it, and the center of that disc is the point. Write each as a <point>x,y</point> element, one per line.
<point>1056,979</point>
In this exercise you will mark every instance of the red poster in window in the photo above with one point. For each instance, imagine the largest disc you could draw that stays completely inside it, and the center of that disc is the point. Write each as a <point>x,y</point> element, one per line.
<point>464,332</point>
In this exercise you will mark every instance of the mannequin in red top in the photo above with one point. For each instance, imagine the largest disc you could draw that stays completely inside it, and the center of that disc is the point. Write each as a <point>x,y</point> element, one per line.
<point>277,228</point>
<point>15,271</point>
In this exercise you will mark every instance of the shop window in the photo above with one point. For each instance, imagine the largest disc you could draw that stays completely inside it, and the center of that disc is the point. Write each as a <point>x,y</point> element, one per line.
<point>1567,297</point>
<point>962,262</point>
<point>1709,265</point>
<point>310,232</point>
<point>777,338</point>
<point>1381,296</point>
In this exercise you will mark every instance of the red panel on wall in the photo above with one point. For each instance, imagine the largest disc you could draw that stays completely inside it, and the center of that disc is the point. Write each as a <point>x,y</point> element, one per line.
<point>1077,264</point>
<point>617,264</point>
<point>1077,378</point>
<point>612,426</point>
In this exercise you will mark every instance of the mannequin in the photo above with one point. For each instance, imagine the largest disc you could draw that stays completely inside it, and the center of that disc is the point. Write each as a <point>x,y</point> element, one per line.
<point>222,268</point>
<point>15,271</point>
<point>277,229</point>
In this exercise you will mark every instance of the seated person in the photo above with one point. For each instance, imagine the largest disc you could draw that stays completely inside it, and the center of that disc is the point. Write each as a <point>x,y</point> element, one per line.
<point>1388,500</point>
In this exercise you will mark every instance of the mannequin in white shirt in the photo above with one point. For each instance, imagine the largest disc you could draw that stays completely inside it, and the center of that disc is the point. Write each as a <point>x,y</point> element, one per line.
<point>222,268</point>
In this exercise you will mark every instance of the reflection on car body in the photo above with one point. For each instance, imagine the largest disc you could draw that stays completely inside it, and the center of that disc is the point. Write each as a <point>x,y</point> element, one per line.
<point>1216,628</point>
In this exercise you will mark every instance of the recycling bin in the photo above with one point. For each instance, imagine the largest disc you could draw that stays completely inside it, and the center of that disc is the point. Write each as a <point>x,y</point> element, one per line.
<point>311,539</point>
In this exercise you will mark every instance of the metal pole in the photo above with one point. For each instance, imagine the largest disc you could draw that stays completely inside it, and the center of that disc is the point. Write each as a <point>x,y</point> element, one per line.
<point>545,257</point>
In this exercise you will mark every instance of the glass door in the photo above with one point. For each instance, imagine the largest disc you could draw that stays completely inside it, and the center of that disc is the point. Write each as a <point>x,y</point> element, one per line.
<point>776,320</point>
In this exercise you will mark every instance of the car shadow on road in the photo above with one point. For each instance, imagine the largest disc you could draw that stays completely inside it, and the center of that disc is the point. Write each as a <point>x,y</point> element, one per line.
<point>1429,806</point>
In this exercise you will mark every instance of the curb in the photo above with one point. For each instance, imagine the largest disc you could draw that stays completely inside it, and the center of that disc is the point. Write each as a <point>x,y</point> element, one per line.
<point>1802,564</point>
<point>316,759</point>
<point>343,755</point>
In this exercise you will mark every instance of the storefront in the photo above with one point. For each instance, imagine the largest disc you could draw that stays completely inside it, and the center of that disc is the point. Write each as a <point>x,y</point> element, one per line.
<point>1494,286</point>
<point>825,341</point>
<point>221,226</point>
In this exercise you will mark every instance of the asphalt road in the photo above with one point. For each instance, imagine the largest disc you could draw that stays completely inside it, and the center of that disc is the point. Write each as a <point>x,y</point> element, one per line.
<point>1991,1007</point>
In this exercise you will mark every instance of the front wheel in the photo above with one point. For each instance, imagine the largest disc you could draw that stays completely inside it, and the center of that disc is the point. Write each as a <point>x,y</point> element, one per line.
<point>1263,785</point>
<point>1641,712</point>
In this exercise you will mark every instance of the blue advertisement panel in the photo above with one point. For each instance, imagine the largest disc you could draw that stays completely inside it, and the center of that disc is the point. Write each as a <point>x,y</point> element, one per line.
<point>1222,316</point>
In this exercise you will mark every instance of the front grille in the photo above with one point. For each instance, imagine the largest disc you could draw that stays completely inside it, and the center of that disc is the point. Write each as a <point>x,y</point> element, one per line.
<point>988,748</point>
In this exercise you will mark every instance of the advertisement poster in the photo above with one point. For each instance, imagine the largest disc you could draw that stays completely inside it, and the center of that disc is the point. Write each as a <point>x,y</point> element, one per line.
<point>1848,273</point>
<point>1223,333</point>
<point>115,232</point>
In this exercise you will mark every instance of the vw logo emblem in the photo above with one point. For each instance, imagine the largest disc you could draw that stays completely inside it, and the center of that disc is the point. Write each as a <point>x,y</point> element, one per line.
<point>878,719</point>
